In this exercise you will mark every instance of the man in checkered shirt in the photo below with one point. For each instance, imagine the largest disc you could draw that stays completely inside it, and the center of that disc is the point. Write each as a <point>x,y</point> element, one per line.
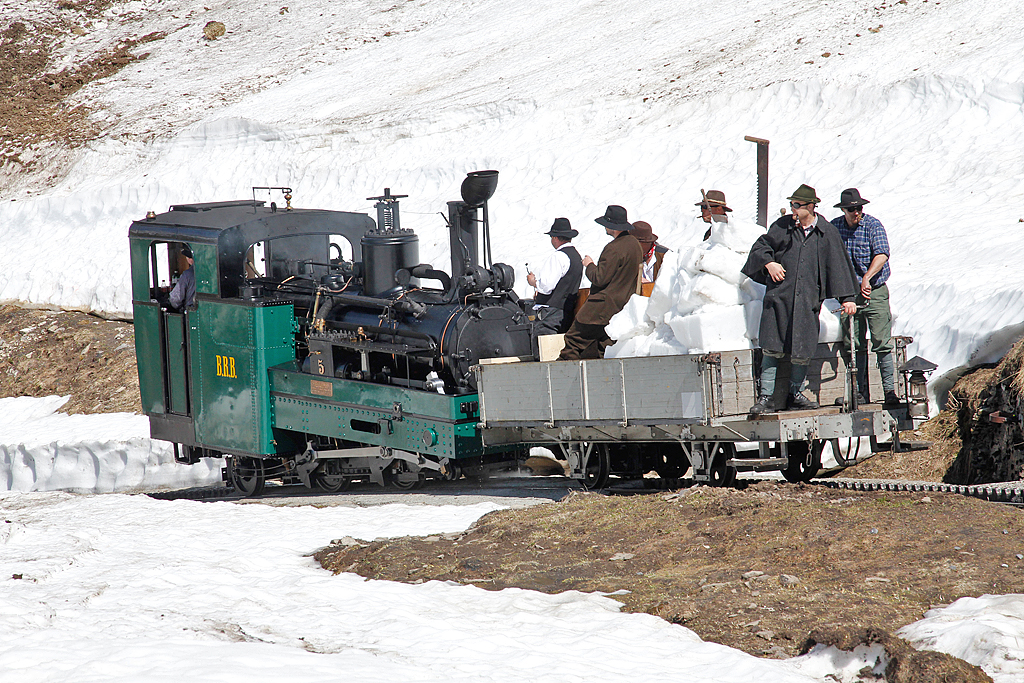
<point>868,247</point>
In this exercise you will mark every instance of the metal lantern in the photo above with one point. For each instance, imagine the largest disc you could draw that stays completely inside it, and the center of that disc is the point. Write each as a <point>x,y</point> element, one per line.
<point>915,372</point>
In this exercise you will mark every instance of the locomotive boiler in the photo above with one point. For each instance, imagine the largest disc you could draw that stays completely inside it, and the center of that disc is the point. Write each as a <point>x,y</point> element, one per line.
<point>319,349</point>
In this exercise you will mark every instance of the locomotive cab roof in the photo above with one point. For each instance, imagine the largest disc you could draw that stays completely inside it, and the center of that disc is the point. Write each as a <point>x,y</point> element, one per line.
<point>232,227</point>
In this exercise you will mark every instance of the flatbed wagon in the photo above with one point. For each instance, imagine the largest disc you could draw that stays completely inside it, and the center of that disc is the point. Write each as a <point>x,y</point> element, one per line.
<point>627,416</point>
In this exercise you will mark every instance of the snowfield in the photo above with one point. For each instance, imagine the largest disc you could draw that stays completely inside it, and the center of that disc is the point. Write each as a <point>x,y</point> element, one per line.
<point>578,105</point>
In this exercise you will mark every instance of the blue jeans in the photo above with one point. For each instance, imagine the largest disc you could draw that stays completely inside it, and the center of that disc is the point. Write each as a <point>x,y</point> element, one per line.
<point>770,369</point>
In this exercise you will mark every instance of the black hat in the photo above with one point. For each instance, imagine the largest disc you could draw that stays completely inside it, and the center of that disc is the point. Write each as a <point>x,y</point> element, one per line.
<point>186,250</point>
<point>850,198</point>
<point>562,228</point>
<point>615,218</point>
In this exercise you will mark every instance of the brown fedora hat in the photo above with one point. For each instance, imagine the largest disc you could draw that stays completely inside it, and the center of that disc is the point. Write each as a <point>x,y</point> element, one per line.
<point>850,198</point>
<point>643,232</point>
<point>615,218</point>
<point>714,198</point>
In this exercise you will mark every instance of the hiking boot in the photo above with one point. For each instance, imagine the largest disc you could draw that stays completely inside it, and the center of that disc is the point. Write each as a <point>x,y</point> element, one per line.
<point>763,405</point>
<point>800,402</point>
<point>891,399</point>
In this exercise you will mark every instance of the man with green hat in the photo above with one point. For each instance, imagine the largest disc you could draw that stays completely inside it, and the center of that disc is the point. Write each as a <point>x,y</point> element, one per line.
<point>802,261</point>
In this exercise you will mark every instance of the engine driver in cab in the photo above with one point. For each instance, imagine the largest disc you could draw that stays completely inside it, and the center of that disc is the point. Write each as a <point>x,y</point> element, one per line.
<point>557,281</point>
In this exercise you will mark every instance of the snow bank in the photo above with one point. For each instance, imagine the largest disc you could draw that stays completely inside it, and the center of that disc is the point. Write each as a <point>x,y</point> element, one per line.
<point>43,450</point>
<point>986,631</point>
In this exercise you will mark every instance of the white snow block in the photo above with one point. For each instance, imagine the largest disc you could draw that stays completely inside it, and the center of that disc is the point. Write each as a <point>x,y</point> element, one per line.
<point>737,235</point>
<point>711,289</point>
<point>723,262</point>
<point>630,321</point>
<point>717,329</point>
<point>829,322</point>
<point>666,288</point>
<point>750,290</point>
<point>752,314</point>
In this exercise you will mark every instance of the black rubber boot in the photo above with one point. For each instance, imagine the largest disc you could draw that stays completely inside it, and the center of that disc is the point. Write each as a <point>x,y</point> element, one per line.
<point>800,402</point>
<point>763,405</point>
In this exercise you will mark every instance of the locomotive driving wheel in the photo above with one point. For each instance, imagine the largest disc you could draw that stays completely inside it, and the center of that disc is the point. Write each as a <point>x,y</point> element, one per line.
<point>247,475</point>
<point>328,477</point>
<point>452,471</point>
<point>392,477</point>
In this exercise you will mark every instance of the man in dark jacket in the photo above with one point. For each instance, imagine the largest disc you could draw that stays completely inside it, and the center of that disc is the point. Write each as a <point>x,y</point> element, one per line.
<point>613,279</point>
<point>184,293</point>
<point>557,282</point>
<point>802,261</point>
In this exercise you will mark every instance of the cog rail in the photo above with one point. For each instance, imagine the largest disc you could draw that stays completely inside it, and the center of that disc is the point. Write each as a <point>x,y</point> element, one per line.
<point>1010,492</point>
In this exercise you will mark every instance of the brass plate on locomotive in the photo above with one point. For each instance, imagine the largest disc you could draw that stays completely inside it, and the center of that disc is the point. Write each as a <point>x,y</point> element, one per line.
<point>318,388</point>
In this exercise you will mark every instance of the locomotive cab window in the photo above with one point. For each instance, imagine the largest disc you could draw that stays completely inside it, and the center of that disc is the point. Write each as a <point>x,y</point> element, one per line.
<point>167,263</point>
<point>341,250</point>
<point>255,262</point>
<point>290,257</point>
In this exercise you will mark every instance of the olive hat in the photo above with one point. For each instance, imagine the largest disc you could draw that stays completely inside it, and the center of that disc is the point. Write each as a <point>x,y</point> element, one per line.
<point>805,194</point>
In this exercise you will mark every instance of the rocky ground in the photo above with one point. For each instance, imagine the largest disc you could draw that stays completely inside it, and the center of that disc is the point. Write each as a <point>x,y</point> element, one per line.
<point>69,353</point>
<point>757,569</point>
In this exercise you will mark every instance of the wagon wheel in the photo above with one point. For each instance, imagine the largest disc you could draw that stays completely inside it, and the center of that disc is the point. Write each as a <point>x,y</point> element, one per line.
<point>247,475</point>
<point>852,451</point>
<point>720,473</point>
<point>671,464</point>
<point>804,460</point>
<point>328,477</point>
<point>598,467</point>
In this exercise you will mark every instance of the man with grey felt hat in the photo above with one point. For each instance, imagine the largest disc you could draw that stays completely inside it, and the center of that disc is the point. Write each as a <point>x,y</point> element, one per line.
<point>613,279</point>
<point>801,261</point>
<point>868,247</point>
<point>557,281</point>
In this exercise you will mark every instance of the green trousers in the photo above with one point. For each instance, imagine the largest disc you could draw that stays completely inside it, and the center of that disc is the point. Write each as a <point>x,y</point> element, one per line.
<point>875,318</point>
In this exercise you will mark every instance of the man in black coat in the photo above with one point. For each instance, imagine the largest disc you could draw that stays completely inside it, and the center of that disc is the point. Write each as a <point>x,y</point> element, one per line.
<point>802,261</point>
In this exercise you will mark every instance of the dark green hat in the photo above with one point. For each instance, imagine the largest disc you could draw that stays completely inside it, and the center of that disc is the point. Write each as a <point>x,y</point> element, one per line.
<point>804,194</point>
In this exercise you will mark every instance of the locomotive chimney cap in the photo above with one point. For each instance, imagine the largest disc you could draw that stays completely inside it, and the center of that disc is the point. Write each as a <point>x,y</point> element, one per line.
<point>479,186</point>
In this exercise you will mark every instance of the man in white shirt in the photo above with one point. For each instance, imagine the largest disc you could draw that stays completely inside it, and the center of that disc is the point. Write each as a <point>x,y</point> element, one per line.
<point>557,281</point>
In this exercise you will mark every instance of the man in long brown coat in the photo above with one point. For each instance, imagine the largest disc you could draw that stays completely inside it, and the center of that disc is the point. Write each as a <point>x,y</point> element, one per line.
<point>613,279</point>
